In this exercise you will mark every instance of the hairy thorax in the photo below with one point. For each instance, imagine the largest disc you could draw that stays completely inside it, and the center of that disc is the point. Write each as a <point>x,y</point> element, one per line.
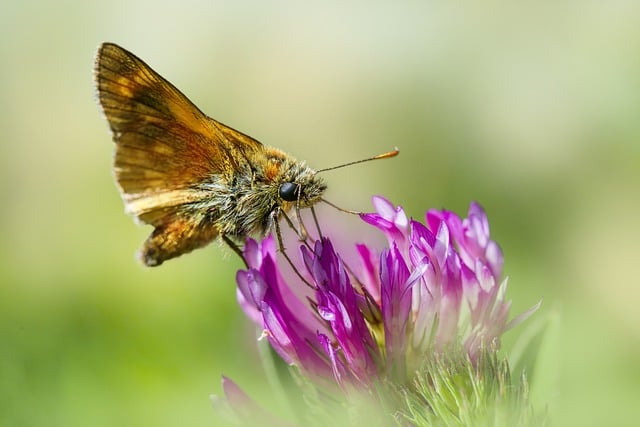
<point>249,202</point>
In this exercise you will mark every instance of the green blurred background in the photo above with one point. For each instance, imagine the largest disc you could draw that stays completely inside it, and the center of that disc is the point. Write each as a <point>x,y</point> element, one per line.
<point>531,109</point>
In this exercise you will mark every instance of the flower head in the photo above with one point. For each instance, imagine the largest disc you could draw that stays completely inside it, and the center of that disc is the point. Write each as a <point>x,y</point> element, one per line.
<point>437,284</point>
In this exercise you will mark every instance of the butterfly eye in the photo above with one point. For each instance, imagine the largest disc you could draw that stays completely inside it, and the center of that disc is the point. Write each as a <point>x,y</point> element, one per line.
<point>289,191</point>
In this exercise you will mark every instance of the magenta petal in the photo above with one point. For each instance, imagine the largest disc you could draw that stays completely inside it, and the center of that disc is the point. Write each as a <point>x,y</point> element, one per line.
<point>384,207</point>
<point>495,259</point>
<point>471,287</point>
<point>391,220</point>
<point>452,277</point>
<point>290,326</point>
<point>339,370</point>
<point>279,335</point>
<point>441,246</point>
<point>293,343</point>
<point>421,235</point>
<point>282,294</point>
<point>252,253</point>
<point>396,305</point>
<point>288,323</point>
<point>346,328</point>
<point>421,243</point>
<point>250,293</point>
<point>369,275</point>
<point>339,304</point>
<point>479,223</point>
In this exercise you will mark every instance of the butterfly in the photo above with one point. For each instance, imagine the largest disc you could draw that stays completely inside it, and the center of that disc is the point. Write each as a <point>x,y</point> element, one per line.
<point>189,176</point>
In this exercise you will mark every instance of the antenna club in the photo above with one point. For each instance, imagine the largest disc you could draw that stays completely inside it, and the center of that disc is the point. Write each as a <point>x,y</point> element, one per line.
<point>392,153</point>
<point>386,155</point>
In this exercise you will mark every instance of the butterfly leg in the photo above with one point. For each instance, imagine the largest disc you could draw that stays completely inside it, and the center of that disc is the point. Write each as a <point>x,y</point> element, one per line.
<point>235,248</point>
<point>284,251</point>
<point>302,233</point>
<point>315,220</point>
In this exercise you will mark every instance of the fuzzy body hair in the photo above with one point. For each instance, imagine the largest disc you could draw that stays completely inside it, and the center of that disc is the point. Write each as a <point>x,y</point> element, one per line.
<point>248,203</point>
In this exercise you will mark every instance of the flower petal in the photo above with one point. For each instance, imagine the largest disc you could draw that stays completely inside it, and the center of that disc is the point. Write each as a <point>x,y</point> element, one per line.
<point>396,306</point>
<point>392,221</point>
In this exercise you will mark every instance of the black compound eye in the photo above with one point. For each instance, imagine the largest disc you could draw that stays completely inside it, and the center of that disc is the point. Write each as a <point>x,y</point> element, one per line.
<point>289,191</point>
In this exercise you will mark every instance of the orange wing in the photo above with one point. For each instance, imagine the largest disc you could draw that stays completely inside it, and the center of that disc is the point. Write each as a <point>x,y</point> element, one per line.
<point>165,148</point>
<point>165,145</point>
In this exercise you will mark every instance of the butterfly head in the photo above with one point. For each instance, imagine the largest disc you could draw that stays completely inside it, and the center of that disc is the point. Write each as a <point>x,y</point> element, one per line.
<point>296,184</point>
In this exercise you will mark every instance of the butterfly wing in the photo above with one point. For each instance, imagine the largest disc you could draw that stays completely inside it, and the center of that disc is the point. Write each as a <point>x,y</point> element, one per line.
<point>165,147</point>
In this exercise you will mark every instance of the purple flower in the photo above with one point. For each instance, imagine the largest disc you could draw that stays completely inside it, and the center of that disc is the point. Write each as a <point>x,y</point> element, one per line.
<point>437,284</point>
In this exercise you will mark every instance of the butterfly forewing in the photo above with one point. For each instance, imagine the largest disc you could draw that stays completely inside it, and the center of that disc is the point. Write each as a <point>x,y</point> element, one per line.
<point>165,147</point>
<point>158,130</point>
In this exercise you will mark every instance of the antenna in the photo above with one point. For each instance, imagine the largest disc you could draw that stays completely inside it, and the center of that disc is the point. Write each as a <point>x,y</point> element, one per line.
<point>386,155</point>
<point>349,211</point>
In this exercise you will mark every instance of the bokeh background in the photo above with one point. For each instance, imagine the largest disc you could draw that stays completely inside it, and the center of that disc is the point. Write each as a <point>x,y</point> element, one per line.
<point>532,109</point>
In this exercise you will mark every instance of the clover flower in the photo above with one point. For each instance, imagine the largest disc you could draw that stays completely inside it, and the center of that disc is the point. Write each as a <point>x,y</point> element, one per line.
<point>437,286</point>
